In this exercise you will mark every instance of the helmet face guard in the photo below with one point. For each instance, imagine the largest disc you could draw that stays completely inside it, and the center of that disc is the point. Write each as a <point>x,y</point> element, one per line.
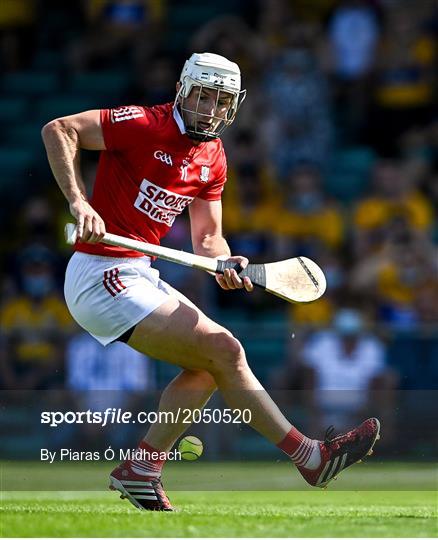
<point>218,123</point>
<point>212,72</point>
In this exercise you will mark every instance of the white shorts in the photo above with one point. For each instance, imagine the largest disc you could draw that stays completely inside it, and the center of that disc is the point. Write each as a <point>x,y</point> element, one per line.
<point>107,296</point>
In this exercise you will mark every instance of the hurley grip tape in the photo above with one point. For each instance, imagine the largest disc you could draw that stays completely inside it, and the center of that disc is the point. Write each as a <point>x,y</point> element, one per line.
<point>255,272</point>
<point>223,265</point>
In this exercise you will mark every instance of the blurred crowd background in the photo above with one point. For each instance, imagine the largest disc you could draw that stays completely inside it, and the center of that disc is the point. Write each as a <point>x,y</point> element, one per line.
<point>334,155</point>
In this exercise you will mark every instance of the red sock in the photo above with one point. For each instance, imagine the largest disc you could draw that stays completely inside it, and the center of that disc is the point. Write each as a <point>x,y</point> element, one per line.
<point>300,448</point>
<point>149,461</point>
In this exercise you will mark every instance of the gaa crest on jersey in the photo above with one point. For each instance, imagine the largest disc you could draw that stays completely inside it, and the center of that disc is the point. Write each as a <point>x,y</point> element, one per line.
<point>204,175</point>
<point>163,157</point>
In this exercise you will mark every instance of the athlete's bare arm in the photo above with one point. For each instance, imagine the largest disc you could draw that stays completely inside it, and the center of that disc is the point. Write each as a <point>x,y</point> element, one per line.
<point>207,240</point>
<point>63,139</point>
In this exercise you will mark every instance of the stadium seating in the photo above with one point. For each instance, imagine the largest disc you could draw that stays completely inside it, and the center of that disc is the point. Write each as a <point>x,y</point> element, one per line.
<point>102,84</point>
<point>52,107</point>
<point>349,171</point>
<point>27,135</point>
<point>415,357</point>
<point>29,83</point>
<point>15,161</point>
<point>13,109</point>
<point>48,59</point>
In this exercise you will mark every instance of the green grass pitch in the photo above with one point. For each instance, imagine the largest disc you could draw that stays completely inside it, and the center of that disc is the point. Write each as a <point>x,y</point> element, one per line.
<point>395,500</point>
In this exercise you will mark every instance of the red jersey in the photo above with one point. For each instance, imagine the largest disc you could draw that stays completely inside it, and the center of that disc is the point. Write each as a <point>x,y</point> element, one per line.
<point>149,172</point>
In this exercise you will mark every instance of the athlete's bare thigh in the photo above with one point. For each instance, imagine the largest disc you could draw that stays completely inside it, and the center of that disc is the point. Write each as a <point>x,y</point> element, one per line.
<point>178,332</point>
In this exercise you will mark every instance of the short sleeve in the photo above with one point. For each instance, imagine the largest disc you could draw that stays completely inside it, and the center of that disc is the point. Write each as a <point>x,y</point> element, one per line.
<point>121,127</point>
<point>320,346</point>
<point>374,353</point>
<point>213,189</point>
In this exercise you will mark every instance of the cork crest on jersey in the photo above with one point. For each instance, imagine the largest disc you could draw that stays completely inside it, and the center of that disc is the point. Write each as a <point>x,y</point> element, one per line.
<point>204,175</point>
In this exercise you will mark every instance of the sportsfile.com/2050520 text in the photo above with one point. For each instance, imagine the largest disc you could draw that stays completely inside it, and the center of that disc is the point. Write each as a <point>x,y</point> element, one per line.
<point>113,415</point>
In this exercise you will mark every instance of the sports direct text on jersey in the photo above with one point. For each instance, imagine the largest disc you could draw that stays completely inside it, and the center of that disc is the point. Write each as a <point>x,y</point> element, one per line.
<point>160,204</point>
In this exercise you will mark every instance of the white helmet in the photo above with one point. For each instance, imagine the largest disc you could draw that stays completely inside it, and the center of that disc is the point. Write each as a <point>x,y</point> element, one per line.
<point>207,70</point>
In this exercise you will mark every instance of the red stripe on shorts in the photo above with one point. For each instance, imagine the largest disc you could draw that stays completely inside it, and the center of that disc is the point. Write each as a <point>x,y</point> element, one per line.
<point>118,279</point>
<point>106,283</point>
<point>114,282</point>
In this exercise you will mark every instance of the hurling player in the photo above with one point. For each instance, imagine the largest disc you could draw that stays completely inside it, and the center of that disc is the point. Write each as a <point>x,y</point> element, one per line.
<point>155,162</point>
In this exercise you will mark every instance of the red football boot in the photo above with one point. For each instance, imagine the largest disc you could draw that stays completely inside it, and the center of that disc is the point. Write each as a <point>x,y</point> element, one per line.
<point>339,453</point>
<point>144,492</point>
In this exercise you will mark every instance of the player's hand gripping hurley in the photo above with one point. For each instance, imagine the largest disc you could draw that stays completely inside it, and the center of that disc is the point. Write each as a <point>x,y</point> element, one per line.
<point>295,280</point>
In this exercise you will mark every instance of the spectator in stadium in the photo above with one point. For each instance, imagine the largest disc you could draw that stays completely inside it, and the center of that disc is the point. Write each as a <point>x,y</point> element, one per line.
<point>426,303</point>
<point>344,366</point>
<point>33,223</point>
<point>403,92</point>
<point>91,366</point>
<point>232,37</point>
<point>252,199</point>
<point>307,219</point>
<point>396,199</point>
<point>17,33</point>
<point>116,30</point>
<point>349,52</point>
<point>105,377</point>
<point>34,325</point>
<point>399,277</point>
<point>298,127</point>
<point>152,84</point>
<point>353,32</point>
<point>37,222</point>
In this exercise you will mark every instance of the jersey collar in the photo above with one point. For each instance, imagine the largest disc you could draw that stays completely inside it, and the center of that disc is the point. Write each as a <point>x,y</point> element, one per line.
<point>179,120</point>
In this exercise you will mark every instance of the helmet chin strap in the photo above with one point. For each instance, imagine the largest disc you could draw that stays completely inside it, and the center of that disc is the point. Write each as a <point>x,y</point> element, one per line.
<point>196,136</point>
